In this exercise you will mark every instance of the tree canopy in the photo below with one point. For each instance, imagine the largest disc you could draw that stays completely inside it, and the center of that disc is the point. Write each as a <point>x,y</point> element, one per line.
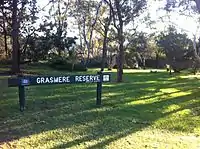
<point>91,33</point>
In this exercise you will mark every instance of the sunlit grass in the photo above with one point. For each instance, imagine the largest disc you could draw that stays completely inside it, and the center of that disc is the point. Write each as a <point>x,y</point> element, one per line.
<point>147,110</point>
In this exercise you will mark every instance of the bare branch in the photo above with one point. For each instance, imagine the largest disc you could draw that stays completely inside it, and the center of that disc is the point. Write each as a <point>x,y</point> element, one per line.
<point>113,13</point>
<point>132,38</point>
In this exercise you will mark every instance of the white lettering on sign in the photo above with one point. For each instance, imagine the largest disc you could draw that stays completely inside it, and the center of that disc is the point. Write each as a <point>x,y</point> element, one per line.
<point>51,79</point>
<point>91,79</point>
<point>60,79</point>
<point>80,78</point>
<point>38,80</point>
<point>47,80</point>
<point>76,78</point>
<point>87,78</point>
<point>66,79</point>
<point>42,80</point>
<point>55,80</point>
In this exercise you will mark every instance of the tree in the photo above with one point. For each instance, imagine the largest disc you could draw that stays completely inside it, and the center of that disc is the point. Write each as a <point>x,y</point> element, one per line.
<point>14,15</point>
<point>56,23</point>
<point>72,51</point>
<point>5,24</point>
<point>86,14</point>
<point>28,30</point>
<point>155,49</point>
<point>102,27</point>
<point>187,5</point>
<point>122,13</point>
<point>15,38</point>
<point>139,48</point>
<point>177,48</point>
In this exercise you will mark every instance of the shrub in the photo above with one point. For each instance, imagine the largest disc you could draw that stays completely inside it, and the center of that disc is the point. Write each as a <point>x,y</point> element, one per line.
<point>94,64</point>
<point>61,63</point>
<point>79,67</point>
<point>6,62</point>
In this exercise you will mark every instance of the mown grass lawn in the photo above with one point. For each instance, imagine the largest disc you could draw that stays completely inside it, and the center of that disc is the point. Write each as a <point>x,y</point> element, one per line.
<point>147,110</point>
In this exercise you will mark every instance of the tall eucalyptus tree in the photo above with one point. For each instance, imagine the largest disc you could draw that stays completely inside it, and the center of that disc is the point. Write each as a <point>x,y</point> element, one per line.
<point>123,12</point>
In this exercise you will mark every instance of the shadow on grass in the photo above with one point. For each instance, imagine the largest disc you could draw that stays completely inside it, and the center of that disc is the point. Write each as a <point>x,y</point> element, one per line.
<point>126,108</point>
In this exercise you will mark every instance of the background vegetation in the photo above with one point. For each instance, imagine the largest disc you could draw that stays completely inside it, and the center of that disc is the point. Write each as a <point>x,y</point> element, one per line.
<point>107,36</point>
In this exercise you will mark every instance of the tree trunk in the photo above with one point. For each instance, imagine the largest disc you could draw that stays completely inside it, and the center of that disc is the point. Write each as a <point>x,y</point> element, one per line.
<point>87,44</point>
<point>92,48</point>
<point>194,68</point>
<point>120,62</point>
<point>157,60</point>
<point>15,40</point>
<point>5,43</point>
<point>80,35</point>
<point>196,58</point>
<point>59,30</point>
<point>88,57</point>
<point>104,54</point>
<point>121,42</point>
<point>144,62</point>
<point>36,55</point>
<point>5,37</point>
<point>23,53</point>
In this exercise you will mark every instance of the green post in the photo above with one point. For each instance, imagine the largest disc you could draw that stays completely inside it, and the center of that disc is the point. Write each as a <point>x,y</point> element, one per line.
<point>3,86</point>
<point>21,97</point>
<point>99,88</point>
<point>21,94</point>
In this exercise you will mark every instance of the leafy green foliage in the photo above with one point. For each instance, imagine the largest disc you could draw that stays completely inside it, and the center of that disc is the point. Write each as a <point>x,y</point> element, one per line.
<point>176,46</point>
<point>139,48</point>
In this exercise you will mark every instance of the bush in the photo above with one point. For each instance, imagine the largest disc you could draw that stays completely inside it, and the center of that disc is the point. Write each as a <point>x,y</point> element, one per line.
<point>94,64</point>
<point>6,62</point>
<point>79,67</point>
<point>61,63</point>
<point>56,60</point>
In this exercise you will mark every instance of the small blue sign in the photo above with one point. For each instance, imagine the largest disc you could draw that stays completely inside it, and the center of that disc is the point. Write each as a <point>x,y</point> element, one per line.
<point>24,82</point>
